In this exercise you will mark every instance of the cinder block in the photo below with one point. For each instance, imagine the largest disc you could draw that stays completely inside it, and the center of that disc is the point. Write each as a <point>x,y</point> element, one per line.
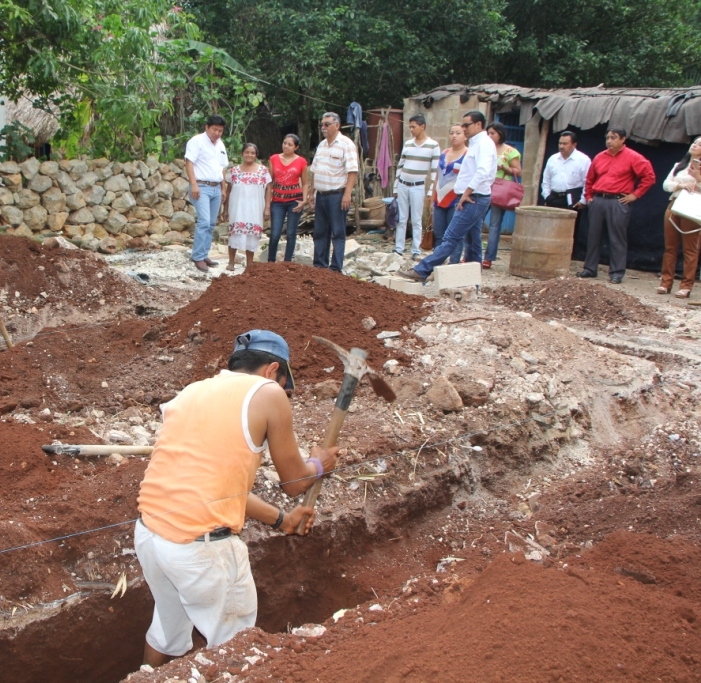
<point>401,284</point>
<point>383,280</point>
<point>457,275</point>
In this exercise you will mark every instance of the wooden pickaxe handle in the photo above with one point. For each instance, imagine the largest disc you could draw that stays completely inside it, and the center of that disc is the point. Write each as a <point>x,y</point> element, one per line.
<point>333,429</point>
<point>95,449</point>
<point>5,334</point>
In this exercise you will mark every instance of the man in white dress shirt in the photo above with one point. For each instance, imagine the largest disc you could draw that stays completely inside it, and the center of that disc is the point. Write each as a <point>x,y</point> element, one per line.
<point>205,161</point>
<point>474,185</point>
<point>565,175</point>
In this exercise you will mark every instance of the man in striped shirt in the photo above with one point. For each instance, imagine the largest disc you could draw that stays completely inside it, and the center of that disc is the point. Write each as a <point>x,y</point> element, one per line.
<point>334,171</point>
<point>419,157</point>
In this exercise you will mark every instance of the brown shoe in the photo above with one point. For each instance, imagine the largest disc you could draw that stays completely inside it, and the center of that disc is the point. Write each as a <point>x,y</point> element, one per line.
<point>410,275</point>
<point>201,265</point>
<point>209,262</point>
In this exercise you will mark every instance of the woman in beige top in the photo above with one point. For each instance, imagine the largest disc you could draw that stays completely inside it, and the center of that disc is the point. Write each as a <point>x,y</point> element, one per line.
<point>686,175</point>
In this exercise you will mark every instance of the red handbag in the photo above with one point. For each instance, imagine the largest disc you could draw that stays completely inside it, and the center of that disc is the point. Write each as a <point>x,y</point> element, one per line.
<point>506,194</point>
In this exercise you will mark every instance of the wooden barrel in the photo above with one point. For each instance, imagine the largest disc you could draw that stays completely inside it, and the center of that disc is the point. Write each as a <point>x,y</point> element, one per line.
<point>541,246</point>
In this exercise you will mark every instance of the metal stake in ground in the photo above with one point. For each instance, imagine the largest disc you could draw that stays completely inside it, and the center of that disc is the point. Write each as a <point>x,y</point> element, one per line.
<point>355,368</point>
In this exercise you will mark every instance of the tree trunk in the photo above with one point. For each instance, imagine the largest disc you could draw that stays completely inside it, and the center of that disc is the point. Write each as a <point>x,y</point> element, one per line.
<point>304,126</point>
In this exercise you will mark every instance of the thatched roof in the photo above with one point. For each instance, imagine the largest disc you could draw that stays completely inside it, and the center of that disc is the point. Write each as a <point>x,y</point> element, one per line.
<point>43,124</point>
<point>647,114</point>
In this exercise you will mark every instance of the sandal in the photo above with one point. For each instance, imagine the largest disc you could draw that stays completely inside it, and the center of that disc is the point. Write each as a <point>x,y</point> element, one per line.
<point>682,294</point>
<point>663,290</point>
<point>486,265</point>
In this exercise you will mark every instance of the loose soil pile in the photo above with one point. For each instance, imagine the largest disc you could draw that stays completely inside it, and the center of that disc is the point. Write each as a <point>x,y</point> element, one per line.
<point>145,361</point>
<point>42,286</point>
<point>296,302</point>
<point>521,622</point>
<point>578,300</point>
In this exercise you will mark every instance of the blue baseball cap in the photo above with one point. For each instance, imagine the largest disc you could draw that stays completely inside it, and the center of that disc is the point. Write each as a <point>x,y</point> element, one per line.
<point>265,340</point>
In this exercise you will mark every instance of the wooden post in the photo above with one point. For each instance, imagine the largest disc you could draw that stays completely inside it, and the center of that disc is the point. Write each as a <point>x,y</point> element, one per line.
<point>5,334</point>
<point>533,153</point>
<point>359,187</point>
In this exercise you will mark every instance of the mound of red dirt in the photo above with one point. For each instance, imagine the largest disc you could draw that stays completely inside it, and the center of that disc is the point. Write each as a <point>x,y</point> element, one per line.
<point>297,302</point>
<point>138,360</point>
<point>577,300</point>
<point>37,276</point>
<point>628,610</point>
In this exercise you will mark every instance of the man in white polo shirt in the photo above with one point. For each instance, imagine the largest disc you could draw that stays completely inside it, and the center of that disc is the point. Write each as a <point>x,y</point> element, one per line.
<point>419,158</point>
<point>334,169</point>
<point>205,161</point>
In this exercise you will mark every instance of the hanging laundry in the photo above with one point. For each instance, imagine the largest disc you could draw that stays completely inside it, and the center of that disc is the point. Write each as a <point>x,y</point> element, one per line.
<point>354,116</point>
<point>384,158</point>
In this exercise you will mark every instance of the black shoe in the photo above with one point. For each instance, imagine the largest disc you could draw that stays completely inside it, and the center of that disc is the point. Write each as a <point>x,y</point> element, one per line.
<point>616,280</point>
<point>586,273</point>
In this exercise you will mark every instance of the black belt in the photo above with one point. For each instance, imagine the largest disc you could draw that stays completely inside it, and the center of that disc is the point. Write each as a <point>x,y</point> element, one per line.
<point>608,195</point>
<point>418,182</point>
<point>211,183</point>
<point>216,535</point>
<point>566,192</point>
<point>323,193</point>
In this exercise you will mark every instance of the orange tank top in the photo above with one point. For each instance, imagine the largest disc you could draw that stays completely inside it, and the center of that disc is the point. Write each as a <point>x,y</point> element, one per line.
<point>204,462</point>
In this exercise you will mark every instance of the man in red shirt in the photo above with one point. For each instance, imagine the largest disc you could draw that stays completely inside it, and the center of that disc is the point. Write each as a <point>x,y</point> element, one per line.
<point>610,188</point>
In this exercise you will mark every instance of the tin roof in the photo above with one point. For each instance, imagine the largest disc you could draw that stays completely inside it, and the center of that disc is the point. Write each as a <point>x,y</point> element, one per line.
<point>647,114</point>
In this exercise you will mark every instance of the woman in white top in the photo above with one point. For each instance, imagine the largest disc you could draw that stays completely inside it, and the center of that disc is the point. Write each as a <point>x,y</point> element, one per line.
<point>249,204</point>
<point>686,175</point>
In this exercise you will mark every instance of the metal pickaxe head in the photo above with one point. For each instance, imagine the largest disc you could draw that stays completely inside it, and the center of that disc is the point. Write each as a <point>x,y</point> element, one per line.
<point>354,366</point>
<point>354,369</point>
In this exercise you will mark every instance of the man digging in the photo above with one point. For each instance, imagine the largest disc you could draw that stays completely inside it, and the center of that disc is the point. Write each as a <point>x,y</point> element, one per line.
<point>196,494</point>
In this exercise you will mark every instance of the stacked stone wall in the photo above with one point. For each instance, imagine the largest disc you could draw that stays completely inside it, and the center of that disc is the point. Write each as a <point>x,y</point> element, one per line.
<point>96,203</point>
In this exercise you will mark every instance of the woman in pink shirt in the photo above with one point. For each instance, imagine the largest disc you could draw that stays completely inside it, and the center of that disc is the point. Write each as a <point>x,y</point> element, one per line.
<point>289,173</point>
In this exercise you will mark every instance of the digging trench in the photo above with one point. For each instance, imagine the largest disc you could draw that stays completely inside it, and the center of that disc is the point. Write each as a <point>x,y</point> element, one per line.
<point>100,640</point>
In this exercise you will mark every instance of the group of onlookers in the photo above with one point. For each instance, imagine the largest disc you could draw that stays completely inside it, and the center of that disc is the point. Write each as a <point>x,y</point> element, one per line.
<point>252,193</point>
<point>458,181</point>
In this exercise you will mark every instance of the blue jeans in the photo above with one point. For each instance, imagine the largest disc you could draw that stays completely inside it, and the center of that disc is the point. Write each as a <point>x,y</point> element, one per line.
<point>207,207</point>
<point>329,227</point>
<point>278,211</point>
<point>466,225</point>
<point>441,221</point>
<point>495,222</point>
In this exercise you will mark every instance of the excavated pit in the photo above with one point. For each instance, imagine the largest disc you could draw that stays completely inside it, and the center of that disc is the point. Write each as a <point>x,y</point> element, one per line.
<point>568,405</point>
<point>99,639</point>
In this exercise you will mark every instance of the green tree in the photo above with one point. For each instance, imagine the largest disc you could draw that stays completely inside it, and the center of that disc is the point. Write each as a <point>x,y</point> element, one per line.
<point>631,43</point>
<point>114,72</point>
<point>323,54</point>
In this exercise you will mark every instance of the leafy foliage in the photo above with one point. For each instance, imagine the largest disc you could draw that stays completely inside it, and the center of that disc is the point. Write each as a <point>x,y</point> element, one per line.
<point>115,71</point>
<point>322,54</point>
<point>631,43</point>
<point>379,53</point>
<point>19,142</point>
<point>132,77</point>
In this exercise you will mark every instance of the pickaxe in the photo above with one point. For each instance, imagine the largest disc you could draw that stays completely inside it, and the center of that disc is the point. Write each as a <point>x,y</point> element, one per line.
<point>354,368</point>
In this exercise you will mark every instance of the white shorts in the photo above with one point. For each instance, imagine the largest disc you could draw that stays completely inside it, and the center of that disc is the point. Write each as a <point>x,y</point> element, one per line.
<point>208,585</point>
<point>244,242</point>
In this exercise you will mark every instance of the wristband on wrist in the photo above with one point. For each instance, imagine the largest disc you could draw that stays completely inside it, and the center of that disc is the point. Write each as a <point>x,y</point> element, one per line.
<point>280,519</point>
<point>319,467</point>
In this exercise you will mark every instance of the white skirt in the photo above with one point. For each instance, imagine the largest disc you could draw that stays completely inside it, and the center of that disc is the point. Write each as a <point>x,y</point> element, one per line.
<point>244,242</point>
